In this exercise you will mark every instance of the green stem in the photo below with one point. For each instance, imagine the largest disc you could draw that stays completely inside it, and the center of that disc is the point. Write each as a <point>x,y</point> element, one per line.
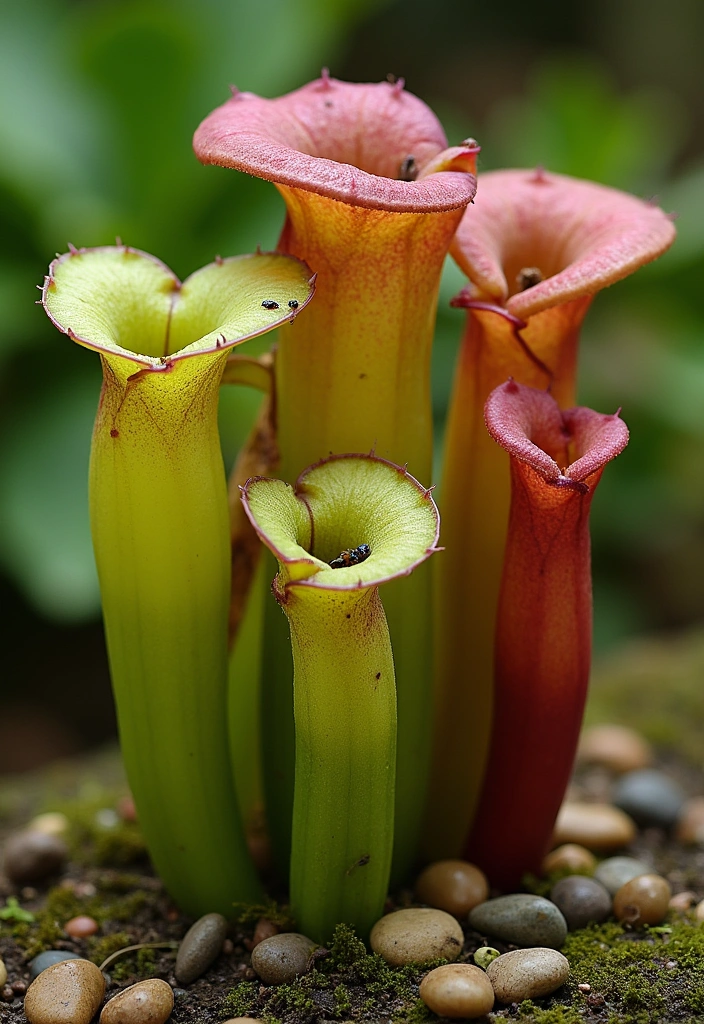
<point>161,536</point>
<point>345,713</point>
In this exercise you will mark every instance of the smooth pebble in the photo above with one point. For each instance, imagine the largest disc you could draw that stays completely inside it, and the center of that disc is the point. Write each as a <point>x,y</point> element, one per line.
<point>147,1002</point>
<point>416,935</point>
<point>682,902</point>
<point>264,929</point>
<point>281,958</point>
<point>32,856</point>
<point>200,946</point>
<point>48,958</point>
<point>581,900</point>
<point>649,797</point>
<point>699,911</point>
<point>527,974</point>
<point>457,990</point>
<point>615,747</point>
<point>51,823</point>
<point>521,918</point>
<point>455,886</point>
<point>81,927</point>
<point>616,871</point>
<point>570,857</point>
<point>67,993</point>
<point>599,827</point>
<point>690,824</point>
<point>643,900</point>
<point>3,973</point>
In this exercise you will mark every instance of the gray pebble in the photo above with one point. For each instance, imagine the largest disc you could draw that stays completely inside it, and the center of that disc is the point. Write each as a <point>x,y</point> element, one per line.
<point>48,958</point>
<point>281,958</point>
<point>201,944</point>
<point>581,900</point>
<point>527,974</point>
<point>616,871</point>
<point>522,919</point>
<point>32,856</point>
<point>650,797</point>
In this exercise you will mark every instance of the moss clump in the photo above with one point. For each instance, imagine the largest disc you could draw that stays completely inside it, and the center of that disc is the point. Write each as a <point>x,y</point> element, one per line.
<point>250,913</point>
<point>98,839</point>
<point>100,949</point>
<point>557,1015</point>
<point>346,983</point>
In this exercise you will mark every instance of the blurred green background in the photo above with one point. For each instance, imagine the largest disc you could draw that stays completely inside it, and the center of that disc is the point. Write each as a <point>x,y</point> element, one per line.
<point>99,103</point>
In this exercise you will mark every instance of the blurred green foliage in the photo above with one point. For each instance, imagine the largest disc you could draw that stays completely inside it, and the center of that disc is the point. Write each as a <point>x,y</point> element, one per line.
<point>100,103</point>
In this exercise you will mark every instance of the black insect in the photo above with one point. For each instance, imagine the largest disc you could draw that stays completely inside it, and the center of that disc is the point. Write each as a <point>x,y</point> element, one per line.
<point>351,556</point>
<point>529,277</point>
<point>293,303</point>
<point>270,304</point>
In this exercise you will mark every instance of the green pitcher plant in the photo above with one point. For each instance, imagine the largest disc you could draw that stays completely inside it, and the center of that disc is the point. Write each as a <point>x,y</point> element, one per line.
<point>159,519</point>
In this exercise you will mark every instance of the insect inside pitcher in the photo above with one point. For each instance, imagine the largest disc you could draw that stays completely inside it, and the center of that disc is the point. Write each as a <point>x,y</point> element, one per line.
<point>351,556</point>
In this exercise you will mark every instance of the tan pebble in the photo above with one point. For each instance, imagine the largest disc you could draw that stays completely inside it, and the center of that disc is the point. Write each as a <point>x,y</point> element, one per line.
<point>457,990</point>
<point>699,911</point>
<point>52,823</point>
<point>81,927</point>
<point>570,857</point>
<point>615,747</point>
<point>416,935</point>
<point>67,993</point>
<point>599,827</point>
<point>3,973</point>
<point>452,885</point>
<point>147,1002</point>
<point>643,900</point>
<point>527,973</point>
<point>690,826</point>
<point>264,929</point>
<point>681,902</point>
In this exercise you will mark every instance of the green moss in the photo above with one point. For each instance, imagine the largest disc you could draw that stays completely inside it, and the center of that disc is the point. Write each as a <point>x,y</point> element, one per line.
<point>556,1015</point>
<point>100,949</point>
<point>249,913</point>
<point>346,949</point>
<point>242,999</point>
<point>343,1004</point>
<point>94,843</point>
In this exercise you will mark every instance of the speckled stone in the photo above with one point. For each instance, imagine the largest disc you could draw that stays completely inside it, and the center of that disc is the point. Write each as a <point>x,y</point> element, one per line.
<point>67,993</point>
<point>48,958</point>
<point>576,859</point>
<point>416,935</point>
<point>615,747</point>
<point>200,946</point>
<point>649,797</point>
<point>147,1002</point>
<point>581,900</point>
<point>616,871</point>
<point>599,827</point>
<point>32,856</point>
<point>455,886</point>
<point>457,991</point>
<point>281,958</point>
<point>521,918</point>
<point>527,974</point>
<point>643,900</point>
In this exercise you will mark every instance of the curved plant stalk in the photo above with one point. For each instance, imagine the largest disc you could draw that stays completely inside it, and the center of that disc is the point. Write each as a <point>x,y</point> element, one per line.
<point>536,248</point>
<point>160,530</point>
<point>344,692</point>
<point>373,199</point>
<point>544,623</point>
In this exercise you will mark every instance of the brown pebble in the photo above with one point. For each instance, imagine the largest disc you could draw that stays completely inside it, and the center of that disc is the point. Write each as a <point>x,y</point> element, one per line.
<point>615,747</point>
<point>681,902</point>
<point>690,826</point>
<point>264,929</point>
<point>81,927</point>
<point>415,935</point>
<point>457,990</point>
<point>599,827</point>
<point>32,856</point>
<point>452,885</point>
<point>7,994</point>
<point>19,987</point>
<point>67,993</point>
<point>578,860</point>
<point>643,900</point>
<point>147,1002</point>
